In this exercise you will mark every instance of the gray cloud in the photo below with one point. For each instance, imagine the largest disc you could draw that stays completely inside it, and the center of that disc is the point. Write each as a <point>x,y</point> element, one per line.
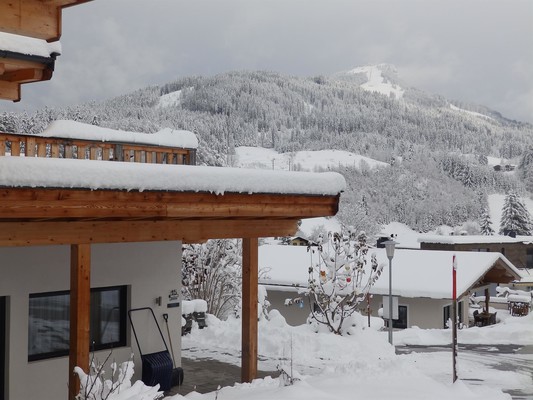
<point>479,51</point>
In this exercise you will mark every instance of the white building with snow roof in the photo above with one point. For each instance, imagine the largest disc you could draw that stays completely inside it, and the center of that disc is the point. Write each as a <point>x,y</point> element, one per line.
<point>422,281</point>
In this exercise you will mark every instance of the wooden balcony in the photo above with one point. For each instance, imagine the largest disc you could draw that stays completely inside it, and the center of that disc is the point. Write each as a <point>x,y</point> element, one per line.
<point>55,147</point>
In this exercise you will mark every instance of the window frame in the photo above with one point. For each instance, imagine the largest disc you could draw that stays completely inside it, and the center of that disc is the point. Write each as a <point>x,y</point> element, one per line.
<point>122,340</point>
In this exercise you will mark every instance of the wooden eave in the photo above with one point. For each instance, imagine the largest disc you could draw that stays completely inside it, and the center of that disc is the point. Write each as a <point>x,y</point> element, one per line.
<point>40,216</point>
<point>35,18</point>
<point>498,273</point>
<point>17,68</point>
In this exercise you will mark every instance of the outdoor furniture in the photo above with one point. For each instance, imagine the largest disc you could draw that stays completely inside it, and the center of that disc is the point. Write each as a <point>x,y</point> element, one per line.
<point>484,318</point>
<point>519,309</point>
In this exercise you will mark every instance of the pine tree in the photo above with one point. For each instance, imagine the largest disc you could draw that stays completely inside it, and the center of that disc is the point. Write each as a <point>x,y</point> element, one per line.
<point>515,217</point>
<point>485,223</point>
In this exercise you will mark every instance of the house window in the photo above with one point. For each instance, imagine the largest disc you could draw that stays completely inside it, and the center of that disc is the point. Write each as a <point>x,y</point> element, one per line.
<point>49,322</point>
<point>401,322</point>
<point>448,313</point>
<point>529,258</point>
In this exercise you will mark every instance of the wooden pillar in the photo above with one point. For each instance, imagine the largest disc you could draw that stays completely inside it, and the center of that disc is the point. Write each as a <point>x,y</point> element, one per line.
<point>249,308</point>
<point>487,299</point>
<point>80,306</point>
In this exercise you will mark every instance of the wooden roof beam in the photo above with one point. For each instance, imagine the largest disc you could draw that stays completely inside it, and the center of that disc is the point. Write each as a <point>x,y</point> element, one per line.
<point>190,231</point>
<point>22,75</point>
<point>35,18</point>
<point>29,204</point>
<point>10,90</point>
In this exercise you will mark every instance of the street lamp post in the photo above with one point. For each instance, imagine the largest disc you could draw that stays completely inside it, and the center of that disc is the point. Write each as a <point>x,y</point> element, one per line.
<point>389,248</point>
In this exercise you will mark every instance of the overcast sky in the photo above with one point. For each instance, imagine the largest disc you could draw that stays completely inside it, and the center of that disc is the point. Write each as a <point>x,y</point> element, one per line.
<point>477,51</point>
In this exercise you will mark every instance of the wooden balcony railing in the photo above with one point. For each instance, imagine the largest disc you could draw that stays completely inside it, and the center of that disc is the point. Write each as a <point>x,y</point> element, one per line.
<point>54,147</point>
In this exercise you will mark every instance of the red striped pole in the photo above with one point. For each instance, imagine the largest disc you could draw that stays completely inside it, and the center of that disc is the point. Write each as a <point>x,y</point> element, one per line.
<point>454,317</point>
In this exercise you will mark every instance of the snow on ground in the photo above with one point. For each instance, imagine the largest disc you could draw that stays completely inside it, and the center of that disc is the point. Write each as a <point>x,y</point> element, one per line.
<point>511,330</point>
<point>362,364</point>
<point>376,82</point>
<point>262,158</point>
<point>473,113</point>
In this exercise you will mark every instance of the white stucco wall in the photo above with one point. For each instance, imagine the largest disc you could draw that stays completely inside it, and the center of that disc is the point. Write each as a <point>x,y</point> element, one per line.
<point>422,312</point>
<point>149,270</point>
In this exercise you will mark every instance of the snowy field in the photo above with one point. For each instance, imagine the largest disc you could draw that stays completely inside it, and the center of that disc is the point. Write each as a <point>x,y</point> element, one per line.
<point>322,160</point>
<point>363,364</point>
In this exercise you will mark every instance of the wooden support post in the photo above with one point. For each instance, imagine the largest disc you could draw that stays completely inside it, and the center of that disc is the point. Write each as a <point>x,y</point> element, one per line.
<point>80,306</point>
<point>106,154</point>
<point>41,149</point>
<point>30,147</point>
<point>249,308</point>
<point>2,147</point>
<point>487,299</point>
<point>55,150</point>
<point>69,151</point>
<point>15,148</point>
<point>93,153</point>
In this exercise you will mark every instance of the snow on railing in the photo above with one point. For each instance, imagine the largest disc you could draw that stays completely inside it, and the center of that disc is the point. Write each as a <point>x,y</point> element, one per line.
<point>55,147</point>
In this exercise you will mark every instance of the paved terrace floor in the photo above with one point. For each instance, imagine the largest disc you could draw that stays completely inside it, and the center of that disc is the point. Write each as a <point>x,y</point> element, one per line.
<point>205,375</point>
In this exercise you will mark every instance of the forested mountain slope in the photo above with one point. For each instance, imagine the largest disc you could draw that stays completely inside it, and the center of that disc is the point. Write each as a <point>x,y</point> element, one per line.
<point>424,138</point>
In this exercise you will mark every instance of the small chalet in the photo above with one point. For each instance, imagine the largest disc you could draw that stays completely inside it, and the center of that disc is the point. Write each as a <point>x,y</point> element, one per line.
<point>422,282</point>
<point>300,241</point>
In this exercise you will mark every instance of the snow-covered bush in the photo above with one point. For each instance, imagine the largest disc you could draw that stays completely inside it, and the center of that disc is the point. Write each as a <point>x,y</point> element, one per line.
<point>211,271</point>
<point>94,386</point>
<point>340,278</point>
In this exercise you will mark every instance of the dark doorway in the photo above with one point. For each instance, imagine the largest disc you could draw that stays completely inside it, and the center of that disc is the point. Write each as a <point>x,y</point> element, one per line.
<point>3,368</point>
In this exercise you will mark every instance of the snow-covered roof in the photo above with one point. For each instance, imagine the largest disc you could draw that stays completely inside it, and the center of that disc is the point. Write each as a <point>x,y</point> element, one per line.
<point>428,273</point>
<point>403,235</point>
<point>284,265</point>
<point>27,45</point>
<point>415,273</point>
<point>77,130</point>
<point>473,239</point>
<point>86,174</point>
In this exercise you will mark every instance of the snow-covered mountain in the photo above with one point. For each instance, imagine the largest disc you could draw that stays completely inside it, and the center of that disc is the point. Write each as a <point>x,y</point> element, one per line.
<point>407,155</point>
